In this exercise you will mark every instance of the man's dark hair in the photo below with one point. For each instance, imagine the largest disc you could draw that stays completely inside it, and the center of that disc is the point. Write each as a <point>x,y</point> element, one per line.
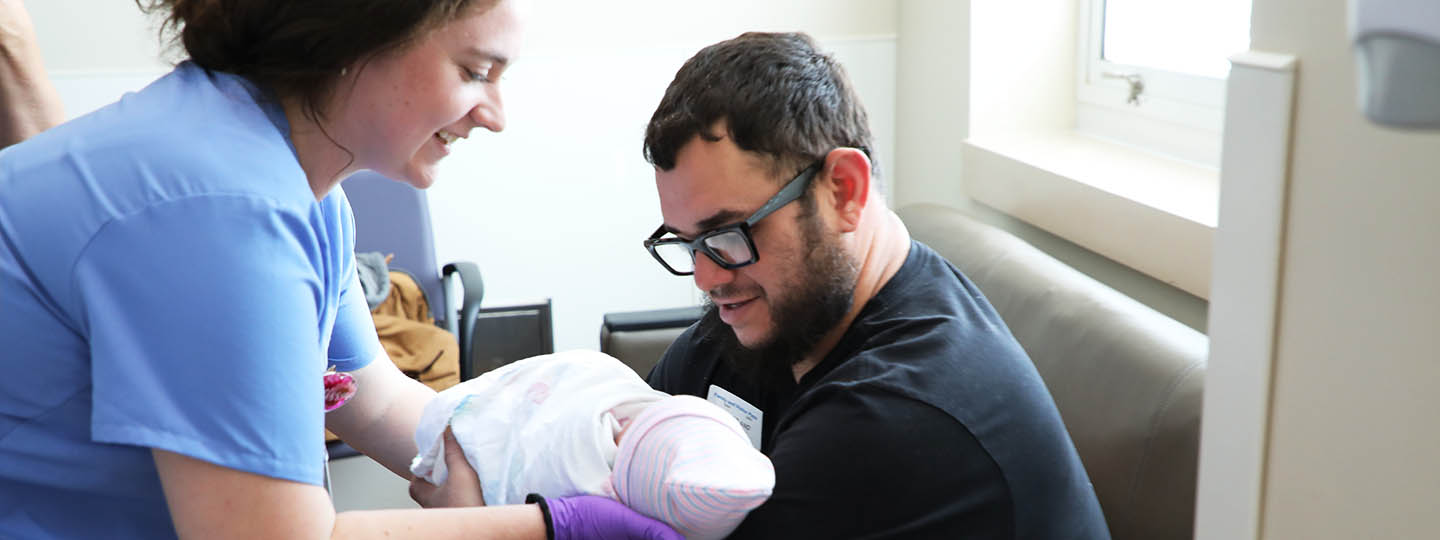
<point>778,96</point>
<point>296,48</point>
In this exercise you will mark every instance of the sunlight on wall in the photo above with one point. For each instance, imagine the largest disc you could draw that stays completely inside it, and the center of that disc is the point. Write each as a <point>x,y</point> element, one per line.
<point>556,206</point>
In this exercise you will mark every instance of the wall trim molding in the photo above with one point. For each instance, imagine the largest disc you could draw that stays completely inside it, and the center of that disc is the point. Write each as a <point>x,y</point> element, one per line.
<point>1244,296</point>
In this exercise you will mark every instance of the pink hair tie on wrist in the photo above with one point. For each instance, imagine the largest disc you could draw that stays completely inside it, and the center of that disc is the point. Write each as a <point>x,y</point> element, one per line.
<point>339,388</point>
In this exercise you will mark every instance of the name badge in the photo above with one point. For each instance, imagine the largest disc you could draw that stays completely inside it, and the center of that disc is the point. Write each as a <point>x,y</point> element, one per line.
<point>750,417</point>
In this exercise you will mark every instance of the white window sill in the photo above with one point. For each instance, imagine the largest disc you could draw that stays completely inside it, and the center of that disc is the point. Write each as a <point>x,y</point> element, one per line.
<point>1150,213</point>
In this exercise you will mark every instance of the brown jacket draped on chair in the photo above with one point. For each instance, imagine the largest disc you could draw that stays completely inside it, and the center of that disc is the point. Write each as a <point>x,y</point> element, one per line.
<point>420,349</point>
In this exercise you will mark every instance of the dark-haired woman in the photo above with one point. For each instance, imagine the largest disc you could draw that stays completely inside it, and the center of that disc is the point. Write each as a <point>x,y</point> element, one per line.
<point>177,274</point>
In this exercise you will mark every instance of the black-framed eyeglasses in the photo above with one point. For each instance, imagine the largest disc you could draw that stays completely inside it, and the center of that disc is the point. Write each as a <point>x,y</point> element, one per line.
<point>730,246</point>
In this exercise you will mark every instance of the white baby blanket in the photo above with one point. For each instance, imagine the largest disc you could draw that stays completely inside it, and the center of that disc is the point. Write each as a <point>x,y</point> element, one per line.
<point>540,425</point>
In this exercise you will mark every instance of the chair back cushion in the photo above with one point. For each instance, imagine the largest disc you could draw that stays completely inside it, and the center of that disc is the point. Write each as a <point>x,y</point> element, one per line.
<point>393,217</point>
<point>640,338</point>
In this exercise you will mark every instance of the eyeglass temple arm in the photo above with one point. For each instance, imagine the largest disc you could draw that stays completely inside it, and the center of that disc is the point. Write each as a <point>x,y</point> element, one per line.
<point>790,192</point>
<point>656,235</point>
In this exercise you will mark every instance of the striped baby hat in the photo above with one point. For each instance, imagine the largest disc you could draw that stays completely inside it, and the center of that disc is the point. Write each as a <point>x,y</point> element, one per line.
<point>686,462</point>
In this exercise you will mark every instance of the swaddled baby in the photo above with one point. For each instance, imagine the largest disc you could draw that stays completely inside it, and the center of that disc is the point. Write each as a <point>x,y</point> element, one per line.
<point>581,422</point>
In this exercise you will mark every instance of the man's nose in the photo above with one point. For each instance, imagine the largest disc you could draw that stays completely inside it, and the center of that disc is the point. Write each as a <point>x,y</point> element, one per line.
<point>708,274</point>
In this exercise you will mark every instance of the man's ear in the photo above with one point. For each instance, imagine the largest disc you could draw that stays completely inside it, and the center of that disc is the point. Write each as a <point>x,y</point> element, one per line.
<point>847,172</point>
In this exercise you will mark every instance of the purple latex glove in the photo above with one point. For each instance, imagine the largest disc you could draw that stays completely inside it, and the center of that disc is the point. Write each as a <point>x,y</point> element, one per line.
<point>593,516</point>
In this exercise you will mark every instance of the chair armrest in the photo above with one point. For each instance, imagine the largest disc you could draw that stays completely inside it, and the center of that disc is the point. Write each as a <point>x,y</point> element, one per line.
<point>463,325</point>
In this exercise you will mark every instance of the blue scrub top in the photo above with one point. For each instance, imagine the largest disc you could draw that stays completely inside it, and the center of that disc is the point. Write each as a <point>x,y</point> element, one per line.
<point>167,280</point>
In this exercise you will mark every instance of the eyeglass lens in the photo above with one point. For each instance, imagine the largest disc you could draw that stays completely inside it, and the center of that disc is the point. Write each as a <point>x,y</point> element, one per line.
<point>676,256</point>
<point>729,246</point>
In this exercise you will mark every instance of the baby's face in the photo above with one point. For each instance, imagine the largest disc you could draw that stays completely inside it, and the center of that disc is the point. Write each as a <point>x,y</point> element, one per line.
<point>625,414</point>
<point>624,426</point>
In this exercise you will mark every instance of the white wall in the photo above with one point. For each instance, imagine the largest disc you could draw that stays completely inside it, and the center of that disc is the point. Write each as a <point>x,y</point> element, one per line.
<point>557,205</point>
<point>95,36</point>
<point>933,97</point>
<point>933,105</point>
<point>95,50</point>
<point>1354,438</point>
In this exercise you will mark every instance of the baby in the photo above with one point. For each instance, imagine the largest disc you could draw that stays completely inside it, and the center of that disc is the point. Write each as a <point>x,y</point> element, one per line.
<point>581,422</point>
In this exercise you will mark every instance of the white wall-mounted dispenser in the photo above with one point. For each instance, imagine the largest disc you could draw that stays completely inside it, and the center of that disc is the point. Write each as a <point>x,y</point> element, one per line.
<point>1397,52</point>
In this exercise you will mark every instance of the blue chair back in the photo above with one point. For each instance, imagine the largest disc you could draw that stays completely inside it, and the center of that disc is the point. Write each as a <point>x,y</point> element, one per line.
<point>393,217</point>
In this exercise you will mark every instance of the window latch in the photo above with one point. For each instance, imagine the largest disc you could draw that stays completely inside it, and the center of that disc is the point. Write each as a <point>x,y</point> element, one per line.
<point>1137,85</point>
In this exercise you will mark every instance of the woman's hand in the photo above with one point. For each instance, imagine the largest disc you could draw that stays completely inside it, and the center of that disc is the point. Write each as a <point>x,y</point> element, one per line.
<point>462,485</point>
<point>600,518</point>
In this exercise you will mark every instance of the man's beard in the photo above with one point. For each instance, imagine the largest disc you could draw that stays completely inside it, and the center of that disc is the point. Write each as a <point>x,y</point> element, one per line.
<point>800,317</point>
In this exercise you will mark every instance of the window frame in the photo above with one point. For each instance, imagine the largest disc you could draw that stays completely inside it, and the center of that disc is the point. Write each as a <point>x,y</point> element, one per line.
<point>1179,114</point>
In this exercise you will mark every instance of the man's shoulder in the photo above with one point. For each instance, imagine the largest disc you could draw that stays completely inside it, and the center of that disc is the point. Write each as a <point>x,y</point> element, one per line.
<point>920,336</point>
<point>927,328</point>
<point>962,363</point>
<point>929,279</point>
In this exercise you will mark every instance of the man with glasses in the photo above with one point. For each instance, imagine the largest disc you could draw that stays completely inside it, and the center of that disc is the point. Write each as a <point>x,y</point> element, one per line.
<point>890,397</point>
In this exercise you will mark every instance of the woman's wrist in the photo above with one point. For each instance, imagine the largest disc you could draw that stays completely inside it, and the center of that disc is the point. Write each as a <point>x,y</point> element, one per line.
<point>535,498</point>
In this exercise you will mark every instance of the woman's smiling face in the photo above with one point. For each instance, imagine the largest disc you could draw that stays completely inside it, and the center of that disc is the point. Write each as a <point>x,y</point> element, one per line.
<point>400,111</point>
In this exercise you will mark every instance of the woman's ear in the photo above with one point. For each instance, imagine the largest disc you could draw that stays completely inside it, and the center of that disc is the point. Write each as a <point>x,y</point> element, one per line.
<point>847,172</point>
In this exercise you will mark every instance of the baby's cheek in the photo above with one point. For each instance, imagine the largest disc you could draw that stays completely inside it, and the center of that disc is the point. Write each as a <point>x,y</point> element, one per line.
<point>624,425</point>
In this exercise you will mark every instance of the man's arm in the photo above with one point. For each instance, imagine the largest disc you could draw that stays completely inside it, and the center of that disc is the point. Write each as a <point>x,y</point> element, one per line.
<point>875,464</point>
<point>380,420</point>
<point>29,103</point>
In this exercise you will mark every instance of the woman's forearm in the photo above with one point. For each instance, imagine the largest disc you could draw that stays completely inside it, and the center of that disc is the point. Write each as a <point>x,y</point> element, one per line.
<point>513,522</point>
<point>380,420</point>
<point>214,502</point>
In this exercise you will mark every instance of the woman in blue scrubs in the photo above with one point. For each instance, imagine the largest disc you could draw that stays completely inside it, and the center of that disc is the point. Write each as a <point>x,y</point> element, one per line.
<point>177,274</point>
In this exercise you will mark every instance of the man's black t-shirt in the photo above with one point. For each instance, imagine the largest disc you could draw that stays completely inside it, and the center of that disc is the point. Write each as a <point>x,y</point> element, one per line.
<point>927,420</point>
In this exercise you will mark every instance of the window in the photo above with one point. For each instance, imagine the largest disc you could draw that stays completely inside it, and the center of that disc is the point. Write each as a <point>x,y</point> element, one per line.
<point>1037,153</point>
<point>1152,72</point>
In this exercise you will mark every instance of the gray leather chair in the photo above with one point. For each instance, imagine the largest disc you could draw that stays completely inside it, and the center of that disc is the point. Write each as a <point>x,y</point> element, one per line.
<point>1127,379</point>
<point>394,218</point>
<point>639,338</point>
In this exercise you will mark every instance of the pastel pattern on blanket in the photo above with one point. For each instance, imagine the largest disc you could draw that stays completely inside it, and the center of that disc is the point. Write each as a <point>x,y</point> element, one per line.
<point>581,422</point>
